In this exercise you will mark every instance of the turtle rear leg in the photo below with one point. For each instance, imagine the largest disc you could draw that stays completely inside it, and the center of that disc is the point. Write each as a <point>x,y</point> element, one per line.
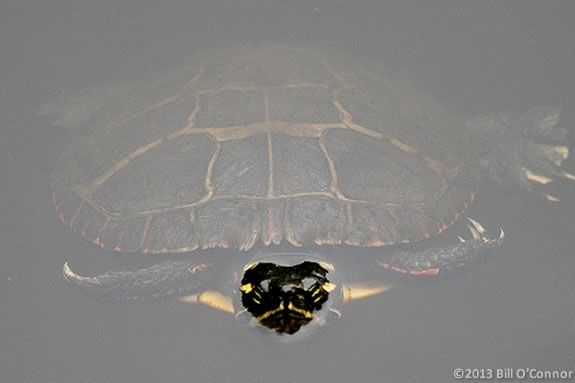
<point>523,151</point>
<point>439,260</point>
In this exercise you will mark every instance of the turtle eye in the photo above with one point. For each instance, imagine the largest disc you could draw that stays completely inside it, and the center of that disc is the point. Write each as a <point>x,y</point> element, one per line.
<point>265,284</point>
<point>308,283</point>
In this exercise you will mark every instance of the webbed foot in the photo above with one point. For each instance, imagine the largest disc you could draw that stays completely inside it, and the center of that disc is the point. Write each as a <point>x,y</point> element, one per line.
<point>523,151</point>
<point>437,260</point>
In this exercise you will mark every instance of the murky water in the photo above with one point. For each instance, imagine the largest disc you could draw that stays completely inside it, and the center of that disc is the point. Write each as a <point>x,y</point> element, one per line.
<point>517,310</point>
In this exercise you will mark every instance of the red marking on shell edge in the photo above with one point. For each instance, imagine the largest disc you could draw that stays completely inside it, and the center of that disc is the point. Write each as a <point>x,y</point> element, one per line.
<point>393,268</point>
<point>430,272</point>
<point>384,265</point>
<point>441,228</point>
<point>377,243</point>
<point>118,248</point>
<point>61,216</point>
<point>101,244</point>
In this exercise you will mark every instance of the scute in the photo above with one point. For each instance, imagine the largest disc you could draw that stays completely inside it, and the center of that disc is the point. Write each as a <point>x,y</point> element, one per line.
<point>172,231</point>
<point>230,108</point>
<point>267,144</point>
<point>241,168</point>
<point>388,174</point>
<point>89,221</point>
<point>302,105</point>
<point>315,221</point>
<point>173,174</point>
<point>123,234</point>
<point>299,166</point>
<point>229,223</point>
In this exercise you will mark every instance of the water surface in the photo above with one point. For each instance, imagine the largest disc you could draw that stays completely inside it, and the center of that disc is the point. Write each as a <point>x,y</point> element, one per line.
<point>516,310</point>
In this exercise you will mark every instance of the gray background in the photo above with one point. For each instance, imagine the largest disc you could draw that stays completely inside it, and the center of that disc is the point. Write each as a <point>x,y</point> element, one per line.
<point>517,310</point>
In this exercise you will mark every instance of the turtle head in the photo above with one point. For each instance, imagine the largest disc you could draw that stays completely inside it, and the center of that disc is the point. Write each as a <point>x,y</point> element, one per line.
<point>287,294</point>
<point>286,298</point>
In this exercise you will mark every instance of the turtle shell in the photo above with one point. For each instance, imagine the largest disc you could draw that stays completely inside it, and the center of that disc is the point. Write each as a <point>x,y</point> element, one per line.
<point>257,145</point>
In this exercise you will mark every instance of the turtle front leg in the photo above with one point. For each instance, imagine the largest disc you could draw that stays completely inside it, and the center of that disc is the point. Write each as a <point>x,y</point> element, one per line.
<point>438,260</point>
<point>168,278</point>
<point>522,151</point>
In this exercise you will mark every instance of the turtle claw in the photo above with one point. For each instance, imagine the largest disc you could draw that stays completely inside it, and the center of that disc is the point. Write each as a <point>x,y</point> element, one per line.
<point>77,279</point>
<point>568,176</point>
<point>536,178</point>
<point>474,233</point>
<point>553,169</point>
<point>67,271</point>
<point>478,233</point>
<point>551,198</point>
<point>476,229</point>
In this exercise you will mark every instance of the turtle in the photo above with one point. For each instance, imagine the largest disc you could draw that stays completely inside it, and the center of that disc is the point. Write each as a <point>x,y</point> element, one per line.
<point>251,175</point>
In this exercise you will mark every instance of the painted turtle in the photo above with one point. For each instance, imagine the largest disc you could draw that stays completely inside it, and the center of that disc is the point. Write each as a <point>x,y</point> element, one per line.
<point>261,150</point>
